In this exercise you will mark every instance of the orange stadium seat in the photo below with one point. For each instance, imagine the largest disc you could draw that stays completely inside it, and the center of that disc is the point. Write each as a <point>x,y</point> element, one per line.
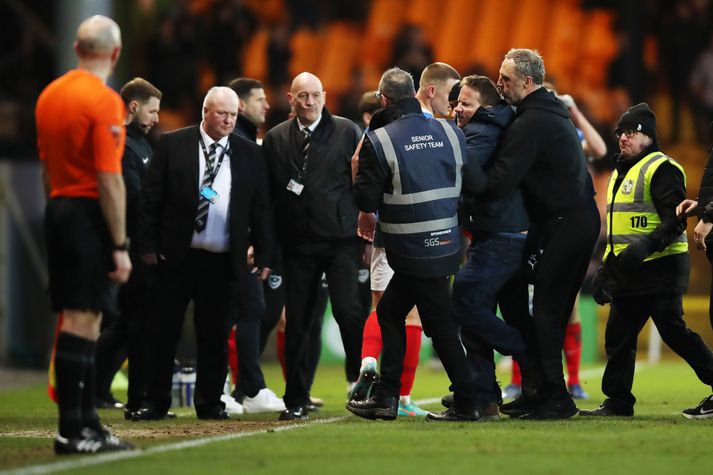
<point>490,38</point>
<point>458,19</point>
<point>561,51</point>
<point>427,14</point>
<point>255,55</point>
<point>340,48</point>
<point>598,48</point>
<point>531,24</point>
<point>306,51</point>
<point>385,20</point>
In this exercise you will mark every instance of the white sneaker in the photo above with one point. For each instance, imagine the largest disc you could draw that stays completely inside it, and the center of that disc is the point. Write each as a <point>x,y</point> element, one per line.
<point>264,401</point>
<point>232,406</point>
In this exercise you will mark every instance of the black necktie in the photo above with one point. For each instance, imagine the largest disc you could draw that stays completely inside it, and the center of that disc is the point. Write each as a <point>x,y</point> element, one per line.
<point>203,203</point>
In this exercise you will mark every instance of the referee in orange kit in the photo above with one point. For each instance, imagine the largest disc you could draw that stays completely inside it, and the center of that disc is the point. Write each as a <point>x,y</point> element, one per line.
<point>80,137</point>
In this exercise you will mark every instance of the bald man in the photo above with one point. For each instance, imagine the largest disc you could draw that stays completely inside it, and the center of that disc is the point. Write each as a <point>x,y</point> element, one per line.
<point>205,194</point>
<point>308,159</point>
<point>80,137</point>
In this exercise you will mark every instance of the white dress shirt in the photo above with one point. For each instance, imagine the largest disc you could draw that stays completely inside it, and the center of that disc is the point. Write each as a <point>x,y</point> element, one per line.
<point>216,235</point>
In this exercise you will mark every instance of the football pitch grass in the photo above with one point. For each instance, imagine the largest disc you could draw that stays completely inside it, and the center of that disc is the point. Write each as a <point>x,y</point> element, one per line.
<point>658,440</point>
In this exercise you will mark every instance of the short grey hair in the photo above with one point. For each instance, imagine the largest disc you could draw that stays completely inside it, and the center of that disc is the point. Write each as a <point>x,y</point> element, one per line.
<point>528,62</point>
<point>218,91</point>
<point>396,84</point>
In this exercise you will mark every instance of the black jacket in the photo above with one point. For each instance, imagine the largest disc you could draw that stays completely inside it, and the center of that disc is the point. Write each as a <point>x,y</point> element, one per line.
<point>325,210</point>
<point>137,155</point>
<point>541,153</point>
<point>374,179</point>
<point>490,215</point>
<point>628,275</point>
<point>169,200</point>
<point>245,128</point>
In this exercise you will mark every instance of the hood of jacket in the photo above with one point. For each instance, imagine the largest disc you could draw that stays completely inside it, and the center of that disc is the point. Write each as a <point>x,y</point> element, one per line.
<point>500,115</point>
<point>542,99</point>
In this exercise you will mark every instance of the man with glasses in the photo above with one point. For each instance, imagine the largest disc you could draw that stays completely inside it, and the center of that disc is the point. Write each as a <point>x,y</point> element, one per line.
<point>310,176</point>
<point>646,264</point>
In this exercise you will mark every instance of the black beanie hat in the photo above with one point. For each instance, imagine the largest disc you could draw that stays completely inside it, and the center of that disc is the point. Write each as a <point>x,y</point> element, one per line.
<point>640,118</point>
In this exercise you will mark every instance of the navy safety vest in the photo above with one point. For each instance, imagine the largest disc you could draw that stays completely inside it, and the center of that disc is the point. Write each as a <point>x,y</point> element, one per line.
<point>419,219</point>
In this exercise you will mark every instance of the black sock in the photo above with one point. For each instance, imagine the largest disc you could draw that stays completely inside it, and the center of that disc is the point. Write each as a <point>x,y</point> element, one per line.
<point>90,418</point>
<point>69,366</point>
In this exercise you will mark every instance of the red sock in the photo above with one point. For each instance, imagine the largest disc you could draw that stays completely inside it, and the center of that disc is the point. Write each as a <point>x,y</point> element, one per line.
<point>371,342</point>
<point>573,351</point>
<point>516,375</point>
<point>233,356</point>
<point>281,349</point>
<point>413,348</point>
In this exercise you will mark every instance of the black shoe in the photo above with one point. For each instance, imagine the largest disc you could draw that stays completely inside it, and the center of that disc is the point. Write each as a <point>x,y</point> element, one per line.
<point>703,410</point>
<point>609,409</point>
<point>296,413</point>
<point>453,415</point>
<point>365,383</point>
<point>489,412</point>
<point>219,415</point>
<point>448,401</point>
<point>550,409</point>
<point>108,403</point>
<point>311,407</point>
<point>524,404</point>
<point>89,442</point>
<point>375,408</point>
<point>145,414</point>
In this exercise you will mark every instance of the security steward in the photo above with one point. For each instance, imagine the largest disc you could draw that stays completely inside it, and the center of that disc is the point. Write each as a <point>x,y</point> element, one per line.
<point>646,263</point>
<point>410,170</point>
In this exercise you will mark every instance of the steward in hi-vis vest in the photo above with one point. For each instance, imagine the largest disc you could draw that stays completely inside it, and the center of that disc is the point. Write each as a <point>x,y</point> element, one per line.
<point>418,214</point>
<point>646,264</point>
<point>410,170</point>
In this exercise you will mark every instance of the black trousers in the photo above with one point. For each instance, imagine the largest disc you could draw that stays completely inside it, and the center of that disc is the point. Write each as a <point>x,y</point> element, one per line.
<point>303,275</point>
<point>208,280</point>
<point>124,336</point>
<point>709,255</point>
<point>250,312</point>
<point>431,296</point>
<point>559,250</point>
<point>626,319</point>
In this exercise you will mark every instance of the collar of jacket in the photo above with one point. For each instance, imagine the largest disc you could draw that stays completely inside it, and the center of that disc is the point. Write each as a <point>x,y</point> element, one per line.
<point>323,123</point>
<point>544,100</point>
<point>623,165</point>
<point>133,130</point>
<point>247,127</point>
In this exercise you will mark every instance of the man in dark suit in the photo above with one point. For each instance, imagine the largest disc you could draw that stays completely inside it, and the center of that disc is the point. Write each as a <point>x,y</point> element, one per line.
<point>204,192</point>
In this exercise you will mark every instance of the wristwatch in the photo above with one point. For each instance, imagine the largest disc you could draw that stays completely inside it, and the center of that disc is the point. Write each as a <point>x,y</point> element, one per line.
<point>124,246</point>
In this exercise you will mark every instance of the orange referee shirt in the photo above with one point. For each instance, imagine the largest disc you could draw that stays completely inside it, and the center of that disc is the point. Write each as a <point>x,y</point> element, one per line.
<point>80,131</point>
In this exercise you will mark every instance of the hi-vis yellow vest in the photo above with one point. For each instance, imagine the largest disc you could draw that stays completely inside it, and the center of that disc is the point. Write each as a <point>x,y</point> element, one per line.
<point>631,214</point>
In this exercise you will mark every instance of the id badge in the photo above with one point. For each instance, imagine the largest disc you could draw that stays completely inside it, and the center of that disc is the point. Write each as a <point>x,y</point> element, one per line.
<point>209,194</point>
<point>295,187</point>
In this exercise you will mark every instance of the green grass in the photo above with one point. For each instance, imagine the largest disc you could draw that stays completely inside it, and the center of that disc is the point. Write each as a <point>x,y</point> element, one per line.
<point>657,440</point>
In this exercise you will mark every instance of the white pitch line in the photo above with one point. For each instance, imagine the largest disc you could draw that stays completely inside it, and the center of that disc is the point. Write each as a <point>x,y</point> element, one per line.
<point>91,460</point>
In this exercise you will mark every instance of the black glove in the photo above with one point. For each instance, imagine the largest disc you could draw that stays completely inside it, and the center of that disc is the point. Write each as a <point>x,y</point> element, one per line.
<point>632,257</point>
<point>599,286</point>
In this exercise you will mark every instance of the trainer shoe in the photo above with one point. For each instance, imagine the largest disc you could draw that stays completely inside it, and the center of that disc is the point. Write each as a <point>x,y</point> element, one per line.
<point>512,391</point>
<point>703,410</point>
<point>89,442</point>
<point>410,410</point>
<point>362,388</point>
<point>522,405</point>
<point>489,412</point>
<point>453,415</point>
<point>264,401</point>
<point>576,391</point>
<point>232,406</point>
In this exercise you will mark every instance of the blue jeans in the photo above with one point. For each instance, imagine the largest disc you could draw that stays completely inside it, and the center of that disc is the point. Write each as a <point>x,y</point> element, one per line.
<point>493,259</point>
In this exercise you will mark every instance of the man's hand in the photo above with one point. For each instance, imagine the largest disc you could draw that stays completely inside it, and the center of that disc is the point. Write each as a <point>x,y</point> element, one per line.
<point>700,232</point>
<point>366,226</point>
<point>251,257</point>
<point>122,264</point>
<point>264,273</point>
<point>631,258</point>
<point>686,207</point>
<point>366,253</point>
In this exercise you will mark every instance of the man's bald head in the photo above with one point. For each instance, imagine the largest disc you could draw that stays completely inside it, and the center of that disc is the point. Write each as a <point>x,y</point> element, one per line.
<point>307,96</point>
<point>97,36</point>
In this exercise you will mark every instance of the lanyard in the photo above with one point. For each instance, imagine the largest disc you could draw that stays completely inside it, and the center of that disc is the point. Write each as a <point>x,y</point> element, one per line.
<point>214,172</point>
